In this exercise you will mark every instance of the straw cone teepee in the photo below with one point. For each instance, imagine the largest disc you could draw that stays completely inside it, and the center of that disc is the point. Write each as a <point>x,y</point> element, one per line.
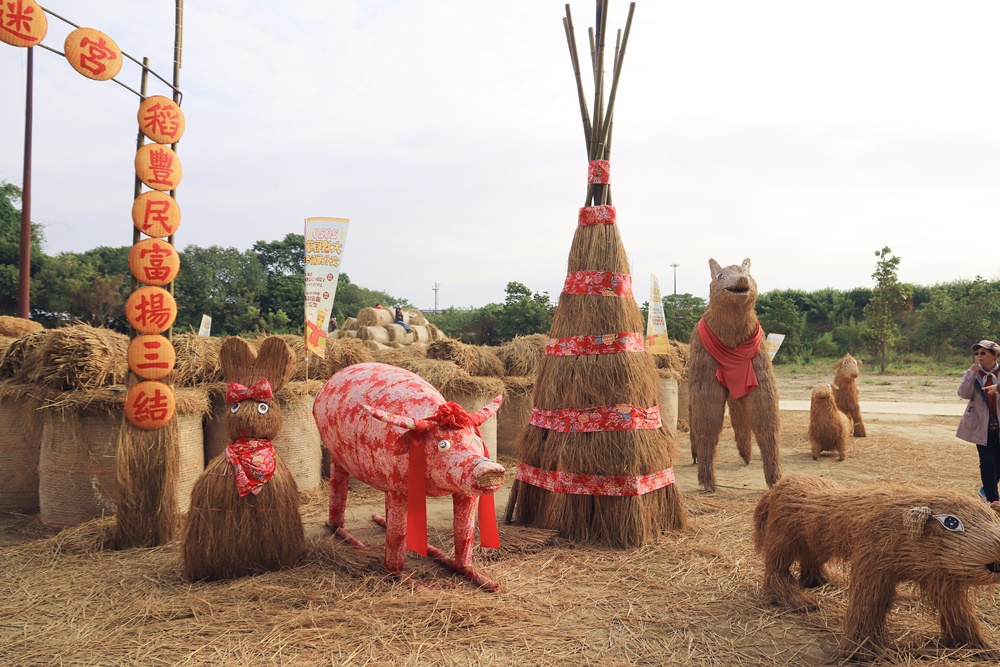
<point>596,461</point>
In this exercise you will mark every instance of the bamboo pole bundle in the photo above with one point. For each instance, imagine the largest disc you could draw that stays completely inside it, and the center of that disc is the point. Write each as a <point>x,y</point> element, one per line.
<point>570,471</point>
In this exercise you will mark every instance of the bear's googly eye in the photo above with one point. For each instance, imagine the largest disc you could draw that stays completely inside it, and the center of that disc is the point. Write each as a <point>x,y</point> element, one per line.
<point>951,522</point>
<point>444,445</point>
<point>718,277</point>
<point>234,408</point>
<point>262,408</point>
<point>845,362</point>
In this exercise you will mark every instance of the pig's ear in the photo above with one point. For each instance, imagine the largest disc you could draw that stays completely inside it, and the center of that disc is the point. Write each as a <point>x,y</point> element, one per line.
<point>408,423</point>
<point>482,414</point>
<point>405,441</point>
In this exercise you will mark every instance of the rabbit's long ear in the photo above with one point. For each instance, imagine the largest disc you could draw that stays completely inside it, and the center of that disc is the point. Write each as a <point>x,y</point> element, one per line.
<point>275,361</point>
<point>237,360</point>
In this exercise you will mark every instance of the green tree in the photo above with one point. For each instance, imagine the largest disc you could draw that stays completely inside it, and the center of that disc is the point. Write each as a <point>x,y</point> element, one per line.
<point>778,313</point>
<point>224,283</point>
<point>10,247</point>
<point>887,303</point>
<point>351,298</point>
<point>283,300</point>
<point>682,312</point>
<point>523,313</point>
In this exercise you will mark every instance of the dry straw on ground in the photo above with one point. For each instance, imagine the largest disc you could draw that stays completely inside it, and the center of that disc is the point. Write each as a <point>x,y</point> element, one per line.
<point>473,359</point>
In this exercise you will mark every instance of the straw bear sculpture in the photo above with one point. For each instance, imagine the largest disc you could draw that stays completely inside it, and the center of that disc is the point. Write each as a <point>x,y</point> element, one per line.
<point>244,516</point>
<point>727,362</point>
<point>944,542</point>
<point>829,428</point>
<point>847,392</point>
<point>392,430</point>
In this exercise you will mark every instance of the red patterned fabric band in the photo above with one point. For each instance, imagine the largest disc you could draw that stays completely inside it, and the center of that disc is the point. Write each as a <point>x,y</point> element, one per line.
<point>259,391</point>
<point>594,485</point>
<point>596,215</point>
<point>620,417</point>
<point>599,172</point>
<point>578,346</point>
<point>601,283</point>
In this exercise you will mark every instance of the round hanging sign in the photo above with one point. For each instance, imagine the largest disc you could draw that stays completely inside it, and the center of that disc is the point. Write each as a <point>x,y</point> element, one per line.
<point>150,405</point>
<point>154,262</point>
<point>151,310</point>
<point>158,167</point>
<point>161,119</point>
<point>151,356</point>
<point>22,23</point>
<point>156,213</point>
<point>93,54</point>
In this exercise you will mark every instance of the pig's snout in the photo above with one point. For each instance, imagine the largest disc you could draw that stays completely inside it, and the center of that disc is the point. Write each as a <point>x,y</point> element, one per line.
<point>488,475</point>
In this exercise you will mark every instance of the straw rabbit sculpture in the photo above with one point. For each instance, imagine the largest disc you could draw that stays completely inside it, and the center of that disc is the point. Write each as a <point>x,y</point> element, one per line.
<point>829,428</point>
<point>728,363</point>
<point>244,516</point>
<point>944,542</point>
<point>847,392</point>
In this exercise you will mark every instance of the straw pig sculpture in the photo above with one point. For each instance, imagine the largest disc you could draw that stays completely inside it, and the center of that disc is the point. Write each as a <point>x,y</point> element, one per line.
<point>392,430</point>
<point>829,428</point>
<point>942,541</point>
<point>244,516</point>
<point>847,392</point>
<point>729,330</point>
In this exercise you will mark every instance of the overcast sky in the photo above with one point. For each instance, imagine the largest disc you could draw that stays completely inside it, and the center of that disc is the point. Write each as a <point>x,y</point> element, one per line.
<point>803,135</point>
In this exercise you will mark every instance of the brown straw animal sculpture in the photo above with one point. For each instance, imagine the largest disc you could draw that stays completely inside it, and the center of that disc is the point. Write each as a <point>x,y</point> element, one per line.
<point>944,542</point>
<point>829,428</point>
<point>593,380</point>
<point>847,392</point>
<point>228,535</point>
<point>732,317</point>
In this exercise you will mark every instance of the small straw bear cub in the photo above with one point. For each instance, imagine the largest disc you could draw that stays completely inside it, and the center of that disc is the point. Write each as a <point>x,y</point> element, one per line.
<point>829,428</point>
<point>944,542</point>
<point>847,392</point>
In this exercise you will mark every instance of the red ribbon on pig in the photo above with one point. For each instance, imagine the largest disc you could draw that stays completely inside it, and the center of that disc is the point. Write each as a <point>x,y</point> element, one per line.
<point>448,415</point>
<point>735,364</point>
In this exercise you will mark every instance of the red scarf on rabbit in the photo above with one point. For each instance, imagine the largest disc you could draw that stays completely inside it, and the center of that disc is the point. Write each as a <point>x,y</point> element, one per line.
<point>252,459</point>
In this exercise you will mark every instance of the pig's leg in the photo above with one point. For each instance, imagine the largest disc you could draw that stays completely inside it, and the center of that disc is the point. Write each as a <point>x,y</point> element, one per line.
<point>339,479</point>
<point>395,531</point>
<point>464,525</point>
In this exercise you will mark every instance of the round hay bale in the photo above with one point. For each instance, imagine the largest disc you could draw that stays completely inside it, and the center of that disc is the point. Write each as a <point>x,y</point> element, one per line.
<point>344,352</point>
<point>20,445</point>
<point>397,334</point>
<point>298,443</point>
<point>82,357</point>
<point>514,414</point>
<point>375,347</point>
<point>374,317</point>
<point>345,333</point>
<point>415,317</point>
<point>197,360</point>
<point>421,334</point>
<point>433,333</point>
<point>15,327</point>
<point>666,395</point>
<point>22,356</point>
<point>351,324</point>
<point>473,359</point>
<point>376,334</point>
<point>522,355</point>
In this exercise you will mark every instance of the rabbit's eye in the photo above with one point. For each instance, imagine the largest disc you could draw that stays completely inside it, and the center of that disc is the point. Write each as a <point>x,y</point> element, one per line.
<point>234,408</point>
<point>444,445</point>
<point>262,408</point>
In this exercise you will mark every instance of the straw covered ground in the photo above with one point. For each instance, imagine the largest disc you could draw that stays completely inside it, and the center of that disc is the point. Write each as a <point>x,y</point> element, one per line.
<point>691,599</point>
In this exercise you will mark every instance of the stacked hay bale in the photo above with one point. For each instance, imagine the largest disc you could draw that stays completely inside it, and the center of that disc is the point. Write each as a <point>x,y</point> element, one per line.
<point>15,327</point>
<point>673,382</point>
<point>520,358</point>
<point>377,328</point>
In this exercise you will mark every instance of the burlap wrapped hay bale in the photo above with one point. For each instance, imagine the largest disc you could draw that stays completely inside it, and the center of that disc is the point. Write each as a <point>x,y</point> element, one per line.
<point>473,359</point>
<point>374,317</point>
<point>521,356</point>
<point>344,352</point>
<point>15,327</point>
<point>80,435</point>
<point>20,444</point>
<point>197,360</point>
<point>82,357</point>
<point>375,334</point>
<point>515,412</point>
<point>666,395</point>
<point>298,442</point>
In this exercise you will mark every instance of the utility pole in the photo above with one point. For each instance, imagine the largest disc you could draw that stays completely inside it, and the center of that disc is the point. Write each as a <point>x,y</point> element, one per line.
<point>675,277</point>
<point>437,286</point>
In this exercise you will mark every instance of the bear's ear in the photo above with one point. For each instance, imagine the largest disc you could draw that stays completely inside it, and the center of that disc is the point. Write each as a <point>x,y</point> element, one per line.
<point>915,520</point>
<point>715,267</point>
<point>835,387</point>
<point>276,362</point>
<point>237,358</point>
<point>746,265</point>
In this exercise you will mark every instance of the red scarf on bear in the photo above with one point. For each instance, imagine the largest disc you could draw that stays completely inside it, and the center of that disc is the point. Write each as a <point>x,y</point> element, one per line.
<point>735,371</point>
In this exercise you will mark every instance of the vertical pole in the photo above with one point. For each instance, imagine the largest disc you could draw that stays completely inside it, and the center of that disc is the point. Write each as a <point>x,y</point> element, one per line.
<point>24,257</point>
<point>137,185</point>
<point>675,278</point>
<point>178,40</point>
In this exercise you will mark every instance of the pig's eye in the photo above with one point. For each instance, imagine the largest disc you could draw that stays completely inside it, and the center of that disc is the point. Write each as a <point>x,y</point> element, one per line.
<point>444,445</point>
<point>262,408</point>
<point>950,522</point>
<point>234,408</point>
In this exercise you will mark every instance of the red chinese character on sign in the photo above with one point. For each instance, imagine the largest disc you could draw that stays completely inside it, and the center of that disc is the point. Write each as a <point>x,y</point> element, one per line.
<point>162,119</point>
<point>93,58</point>
<point>161,162</point>
<point>153,310</point>
<point>156,212</point>
<point>157,270</point>
<point>153,408</point>
<point>152,355</point>
<point>18,20</point>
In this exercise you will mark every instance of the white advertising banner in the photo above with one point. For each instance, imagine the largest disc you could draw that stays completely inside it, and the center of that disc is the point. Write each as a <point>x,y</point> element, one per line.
<point>325,239</point>
<point>773,342</point>
<point>656,323</point>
